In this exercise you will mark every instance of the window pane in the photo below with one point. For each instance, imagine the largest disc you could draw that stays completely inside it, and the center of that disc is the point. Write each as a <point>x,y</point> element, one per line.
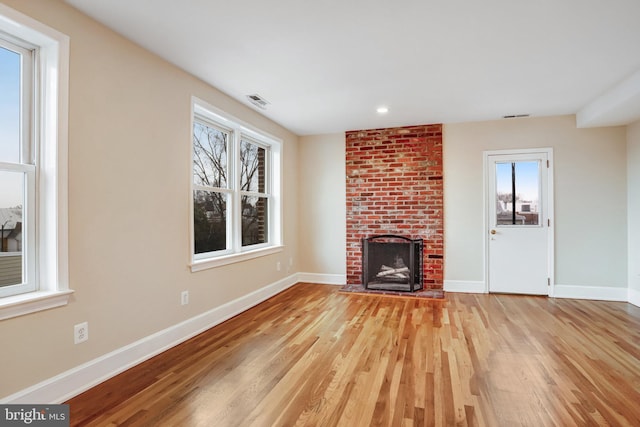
<point>11,202</point>
<point>9,106</point>
<point>209,221</point>
<point>518,193</point>
<point>252,167</point>
<point>254,220</point>
<point>210,156</point>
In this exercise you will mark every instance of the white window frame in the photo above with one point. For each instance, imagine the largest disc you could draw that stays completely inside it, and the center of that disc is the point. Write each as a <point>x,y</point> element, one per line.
<point>238,130</point>
<point>25,165</point>
<point>49,130</point>
<point>237,196</point>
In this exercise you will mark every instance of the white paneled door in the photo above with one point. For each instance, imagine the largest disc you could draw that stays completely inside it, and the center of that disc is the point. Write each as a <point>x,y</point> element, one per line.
<point>519,232</point>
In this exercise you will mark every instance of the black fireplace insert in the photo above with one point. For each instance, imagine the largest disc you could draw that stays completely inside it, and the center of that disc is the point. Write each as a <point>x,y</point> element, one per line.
<point>392,263</point>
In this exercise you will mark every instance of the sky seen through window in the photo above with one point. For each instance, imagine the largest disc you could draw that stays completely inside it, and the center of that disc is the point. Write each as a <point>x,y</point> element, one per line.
<point>10,183</point>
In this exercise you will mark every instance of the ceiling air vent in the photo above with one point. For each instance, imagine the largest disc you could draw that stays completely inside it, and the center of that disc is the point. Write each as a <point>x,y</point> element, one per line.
<point>258,101</point>
<point>515,116</point>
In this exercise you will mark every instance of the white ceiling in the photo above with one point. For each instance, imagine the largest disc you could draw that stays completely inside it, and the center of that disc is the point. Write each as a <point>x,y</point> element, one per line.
<point>326,65</point>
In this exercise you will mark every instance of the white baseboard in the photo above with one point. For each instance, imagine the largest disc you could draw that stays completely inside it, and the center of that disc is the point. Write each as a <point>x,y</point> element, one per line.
<point>560,291</point>
<point>466,286</point>
<point>634,297</point>
<point>81,378</point>
<point>325,279</point>
<point>600,293</point>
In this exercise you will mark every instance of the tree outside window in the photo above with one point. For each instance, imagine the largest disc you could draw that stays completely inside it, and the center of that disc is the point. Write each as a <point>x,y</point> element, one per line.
<point>232,197</point>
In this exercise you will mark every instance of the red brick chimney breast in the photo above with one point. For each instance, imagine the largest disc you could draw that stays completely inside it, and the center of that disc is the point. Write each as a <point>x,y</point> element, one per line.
<point>394,186</point>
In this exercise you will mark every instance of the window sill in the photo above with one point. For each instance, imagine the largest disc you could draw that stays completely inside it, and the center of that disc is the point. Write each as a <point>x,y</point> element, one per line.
<point>32,302</point>
<point>233,258</point>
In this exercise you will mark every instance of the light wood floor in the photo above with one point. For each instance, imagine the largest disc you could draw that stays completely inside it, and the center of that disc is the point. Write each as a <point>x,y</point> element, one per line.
<point>312,356</point>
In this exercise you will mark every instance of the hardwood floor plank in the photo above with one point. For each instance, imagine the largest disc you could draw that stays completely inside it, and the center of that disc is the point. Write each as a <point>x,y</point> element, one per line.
<point>312,356</point>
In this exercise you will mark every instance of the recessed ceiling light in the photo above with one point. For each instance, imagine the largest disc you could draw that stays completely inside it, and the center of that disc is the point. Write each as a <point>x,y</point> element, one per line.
<point>382,110</point>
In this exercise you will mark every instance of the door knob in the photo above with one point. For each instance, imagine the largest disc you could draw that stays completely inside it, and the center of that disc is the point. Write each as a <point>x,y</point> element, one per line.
<point>493,231</point>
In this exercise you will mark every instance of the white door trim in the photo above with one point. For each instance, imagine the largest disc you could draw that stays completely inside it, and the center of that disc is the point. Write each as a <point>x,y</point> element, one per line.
<point>550,212</point>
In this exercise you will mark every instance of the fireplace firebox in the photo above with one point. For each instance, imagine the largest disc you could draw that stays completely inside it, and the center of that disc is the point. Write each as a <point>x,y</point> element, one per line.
<point>392,263</point>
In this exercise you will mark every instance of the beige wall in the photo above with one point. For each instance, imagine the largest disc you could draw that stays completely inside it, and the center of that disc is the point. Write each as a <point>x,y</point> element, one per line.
<point>633,191</point>
<point>590,196</point>
<point>129,195</point>
<point>322,204</point>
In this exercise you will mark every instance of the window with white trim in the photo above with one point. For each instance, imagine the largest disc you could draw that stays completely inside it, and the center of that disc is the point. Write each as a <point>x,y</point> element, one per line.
<point>33,148</point>
<point>17,168</point>
<point>235,189</point>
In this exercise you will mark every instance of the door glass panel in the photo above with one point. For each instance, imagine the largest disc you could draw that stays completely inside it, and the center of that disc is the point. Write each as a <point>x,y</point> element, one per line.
<point>11,203</point>
<point>518,193</point>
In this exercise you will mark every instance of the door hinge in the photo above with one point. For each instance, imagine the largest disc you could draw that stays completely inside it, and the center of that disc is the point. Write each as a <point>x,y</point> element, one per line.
<point>548,281</point>
<point>547,164</point>
<point>548,222</point>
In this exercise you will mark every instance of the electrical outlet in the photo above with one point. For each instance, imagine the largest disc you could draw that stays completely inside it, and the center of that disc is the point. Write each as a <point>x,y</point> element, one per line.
<point>184,297</point>
<point>80,332</point>
<point>278,266</point>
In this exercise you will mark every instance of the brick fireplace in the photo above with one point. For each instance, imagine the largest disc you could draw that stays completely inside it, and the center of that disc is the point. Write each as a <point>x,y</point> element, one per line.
<point>394,186</point>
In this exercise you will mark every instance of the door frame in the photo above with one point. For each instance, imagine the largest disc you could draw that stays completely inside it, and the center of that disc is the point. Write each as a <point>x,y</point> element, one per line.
<point>548,200</point>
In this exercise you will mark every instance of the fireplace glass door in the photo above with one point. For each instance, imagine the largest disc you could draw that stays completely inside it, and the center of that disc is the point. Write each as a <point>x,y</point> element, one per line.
<point>392,263</point>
